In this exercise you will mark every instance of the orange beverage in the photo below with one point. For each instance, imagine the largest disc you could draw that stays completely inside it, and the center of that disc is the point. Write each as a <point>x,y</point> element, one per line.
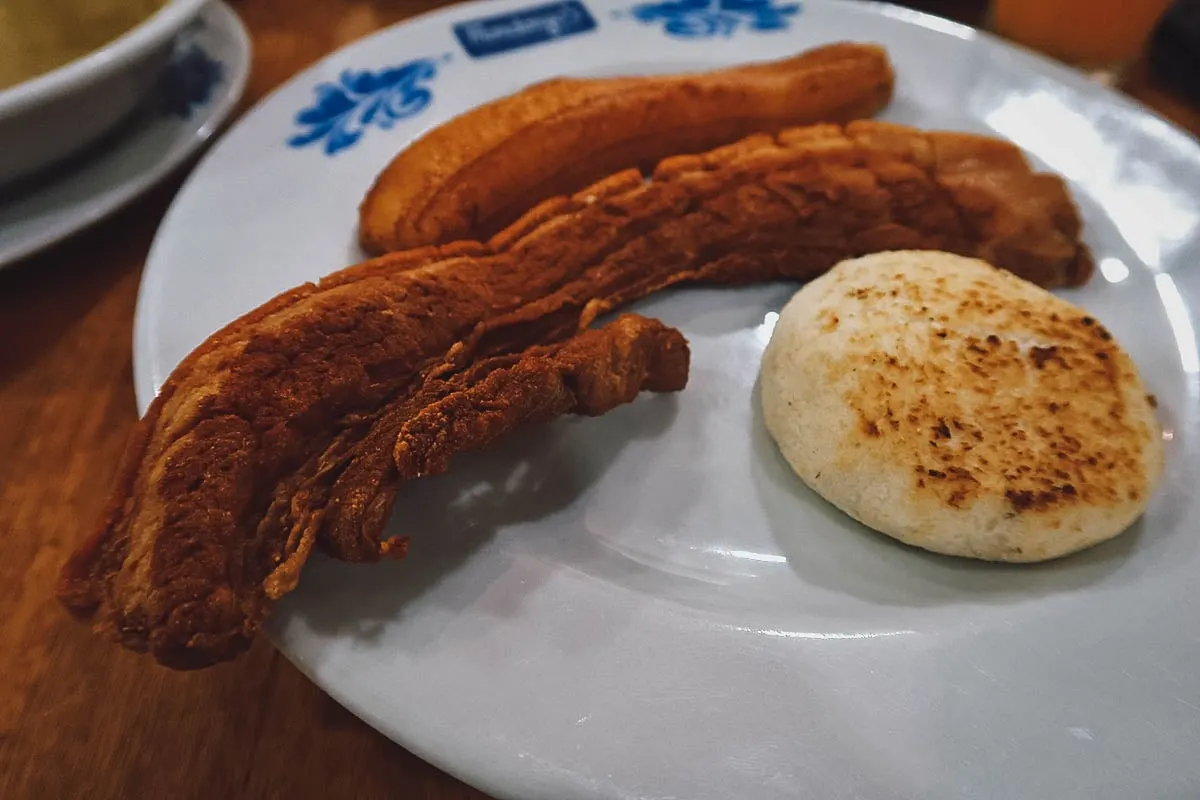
<point>1087,33</point>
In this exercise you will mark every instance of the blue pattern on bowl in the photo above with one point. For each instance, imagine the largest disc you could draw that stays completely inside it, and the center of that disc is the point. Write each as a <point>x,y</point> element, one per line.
<point>189,80</point>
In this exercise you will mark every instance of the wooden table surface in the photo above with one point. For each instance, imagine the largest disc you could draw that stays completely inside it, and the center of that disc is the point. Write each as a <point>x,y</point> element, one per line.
<point>78,716</point>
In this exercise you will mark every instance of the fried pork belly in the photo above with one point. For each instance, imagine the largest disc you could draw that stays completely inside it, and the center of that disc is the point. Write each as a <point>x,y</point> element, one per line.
<point>474,175</point>
<point>294,423</point>
<point>194,592</point>
<point>588,375</point>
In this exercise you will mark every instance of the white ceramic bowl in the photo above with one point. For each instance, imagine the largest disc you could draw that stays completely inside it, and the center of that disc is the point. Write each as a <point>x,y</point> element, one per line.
<point>57,114</point>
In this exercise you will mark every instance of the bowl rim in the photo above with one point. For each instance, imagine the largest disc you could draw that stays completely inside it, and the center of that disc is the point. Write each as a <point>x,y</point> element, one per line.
<point>100,63</point>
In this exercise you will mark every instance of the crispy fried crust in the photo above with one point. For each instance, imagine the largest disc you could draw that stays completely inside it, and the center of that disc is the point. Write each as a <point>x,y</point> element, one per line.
<point>588,375</point>
<point>283,426</point>
<point>474,175</point>
<point>237,580</point>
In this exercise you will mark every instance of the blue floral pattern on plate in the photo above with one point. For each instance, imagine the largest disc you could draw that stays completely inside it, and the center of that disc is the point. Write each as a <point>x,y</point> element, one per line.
<point>189,80</point>
<point>703,19</point>
<point>359,99</point>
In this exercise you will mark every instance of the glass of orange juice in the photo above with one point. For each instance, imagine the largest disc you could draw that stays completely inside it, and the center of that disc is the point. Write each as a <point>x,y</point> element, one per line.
<point>1092,34</point>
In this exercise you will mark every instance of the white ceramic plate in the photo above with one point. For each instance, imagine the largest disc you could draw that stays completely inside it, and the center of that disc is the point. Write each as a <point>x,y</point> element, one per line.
<point>649,605</point>
<point>203,82</point>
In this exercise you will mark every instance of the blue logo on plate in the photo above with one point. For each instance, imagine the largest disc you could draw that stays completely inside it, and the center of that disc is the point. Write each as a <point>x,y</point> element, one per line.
<point>503,32</point>
<point>703,19</point>
<point>361,98</point>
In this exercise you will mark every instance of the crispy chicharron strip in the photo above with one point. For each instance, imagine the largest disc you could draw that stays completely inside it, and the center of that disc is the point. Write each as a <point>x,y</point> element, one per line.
<point>547,382</point>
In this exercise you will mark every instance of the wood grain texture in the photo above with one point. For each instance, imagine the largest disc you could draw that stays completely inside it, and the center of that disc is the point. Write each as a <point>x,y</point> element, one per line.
<point>79,717</point>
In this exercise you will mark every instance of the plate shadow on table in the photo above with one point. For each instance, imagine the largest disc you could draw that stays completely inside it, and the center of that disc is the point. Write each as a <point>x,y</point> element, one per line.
<point>527,477</point>
<point>837,553</point>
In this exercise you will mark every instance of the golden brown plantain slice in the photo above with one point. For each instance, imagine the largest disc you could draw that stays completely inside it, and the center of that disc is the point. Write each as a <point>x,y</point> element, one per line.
<point>474,175</point>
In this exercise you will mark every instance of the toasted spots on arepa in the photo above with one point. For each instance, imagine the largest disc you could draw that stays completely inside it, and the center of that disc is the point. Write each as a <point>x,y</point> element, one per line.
<point>960,409</point>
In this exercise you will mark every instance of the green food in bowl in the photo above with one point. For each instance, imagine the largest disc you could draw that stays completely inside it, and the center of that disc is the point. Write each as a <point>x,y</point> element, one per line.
<point>37,36</point>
